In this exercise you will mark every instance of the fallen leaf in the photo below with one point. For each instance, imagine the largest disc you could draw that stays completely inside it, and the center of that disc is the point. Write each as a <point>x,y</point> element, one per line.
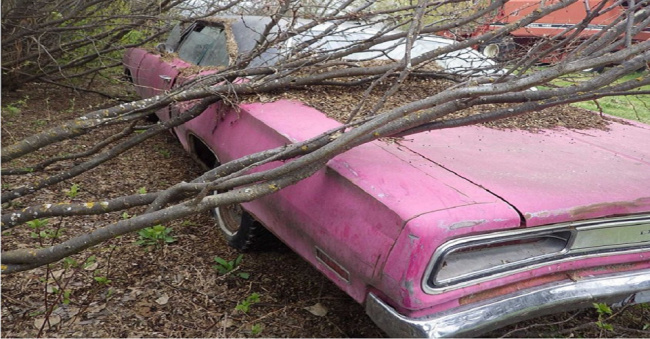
<point>94,310</point>
<point>92,266</point>
<point>178,278</point>
<point>143,308</point>
<point>225,323</point>
<point>72,311</point>
<point>58,274</point>
<point>131,294</point>
<point>53,320</point>
<point>317,310</point>
<point>66,311</point>
<point>163,299</point>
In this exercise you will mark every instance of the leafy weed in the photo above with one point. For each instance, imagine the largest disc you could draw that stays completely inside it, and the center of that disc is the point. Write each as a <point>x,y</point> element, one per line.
<point>73,191</point>
<point>257,329</point>
<point>603,311</point>
<point>224,266</point>
<point>155,236</point>
<point>244,305</point>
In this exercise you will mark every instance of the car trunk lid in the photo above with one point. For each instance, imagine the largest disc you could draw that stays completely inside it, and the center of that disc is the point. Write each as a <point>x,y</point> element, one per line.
<point>549,176</point>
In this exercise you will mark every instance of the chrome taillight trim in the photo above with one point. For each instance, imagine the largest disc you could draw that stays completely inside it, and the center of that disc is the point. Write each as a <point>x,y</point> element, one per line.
<point>581,250</point>
<point>470,249</point>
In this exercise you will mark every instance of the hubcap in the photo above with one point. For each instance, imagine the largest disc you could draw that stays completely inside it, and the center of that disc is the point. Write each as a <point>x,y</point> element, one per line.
<point>491,51</point>
<point>228,218</point>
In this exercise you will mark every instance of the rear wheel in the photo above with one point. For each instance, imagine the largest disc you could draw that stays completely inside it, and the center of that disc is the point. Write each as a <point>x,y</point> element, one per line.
<point>242,231</point>
<point>239,228</point>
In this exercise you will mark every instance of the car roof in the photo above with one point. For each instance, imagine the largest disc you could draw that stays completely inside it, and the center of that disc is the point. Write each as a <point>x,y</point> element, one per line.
<point>247,30</point>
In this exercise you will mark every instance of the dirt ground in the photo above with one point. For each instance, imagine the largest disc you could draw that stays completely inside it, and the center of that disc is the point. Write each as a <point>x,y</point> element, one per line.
<point>123,289</point>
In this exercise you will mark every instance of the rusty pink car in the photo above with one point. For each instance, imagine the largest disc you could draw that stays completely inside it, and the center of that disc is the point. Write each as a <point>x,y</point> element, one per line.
<point>446,233</point>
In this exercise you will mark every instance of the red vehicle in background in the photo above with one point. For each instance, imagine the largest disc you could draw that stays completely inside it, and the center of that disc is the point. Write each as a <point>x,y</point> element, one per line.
<point>521,39</point>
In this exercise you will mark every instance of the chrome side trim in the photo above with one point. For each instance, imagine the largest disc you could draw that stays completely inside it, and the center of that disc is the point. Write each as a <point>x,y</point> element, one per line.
<point>475,319</point>
<point>334,266</point>
<point>581,250</point>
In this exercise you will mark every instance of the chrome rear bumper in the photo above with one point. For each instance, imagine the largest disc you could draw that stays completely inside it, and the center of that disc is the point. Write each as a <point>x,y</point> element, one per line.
<point>478,318</point>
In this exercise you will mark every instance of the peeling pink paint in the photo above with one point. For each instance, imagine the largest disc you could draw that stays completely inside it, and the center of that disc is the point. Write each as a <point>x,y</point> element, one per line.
<point>551,176</point>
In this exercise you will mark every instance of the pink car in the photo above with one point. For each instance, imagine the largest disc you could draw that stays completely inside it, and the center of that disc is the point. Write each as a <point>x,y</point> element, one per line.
<point>447,233</point>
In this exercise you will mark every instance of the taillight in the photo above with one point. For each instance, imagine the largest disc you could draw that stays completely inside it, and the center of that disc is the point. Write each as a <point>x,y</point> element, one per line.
<point>472,260</point>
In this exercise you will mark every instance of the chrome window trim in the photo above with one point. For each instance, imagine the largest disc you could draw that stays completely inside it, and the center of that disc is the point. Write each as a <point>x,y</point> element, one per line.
<point>566,255</point>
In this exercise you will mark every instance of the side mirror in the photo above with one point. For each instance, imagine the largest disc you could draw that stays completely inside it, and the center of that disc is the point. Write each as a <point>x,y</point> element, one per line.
<point>162,48</point>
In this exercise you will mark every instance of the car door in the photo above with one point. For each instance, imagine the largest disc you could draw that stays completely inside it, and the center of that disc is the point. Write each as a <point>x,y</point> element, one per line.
<point>157,73</point>
<point>204,44</point>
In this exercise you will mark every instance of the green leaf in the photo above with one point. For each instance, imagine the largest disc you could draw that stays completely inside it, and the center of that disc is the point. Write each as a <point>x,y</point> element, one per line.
<point>66,297</point>
<point>605,326</point>
<point>73,191</point>
<point>38,223</point>
<point>219,269</point>
<point>70,262</point>
<point>102,280</point>
<point>90,261</point>
<point>242,307</point>
<point>239,260</point>
<point>244,275</point>
<point>221,261</point>
<point>602,308</point>
<point>256,329</point>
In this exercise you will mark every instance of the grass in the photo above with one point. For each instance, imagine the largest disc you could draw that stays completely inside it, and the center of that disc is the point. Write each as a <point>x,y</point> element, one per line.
<point>633,107</point>
<point>628,107</point>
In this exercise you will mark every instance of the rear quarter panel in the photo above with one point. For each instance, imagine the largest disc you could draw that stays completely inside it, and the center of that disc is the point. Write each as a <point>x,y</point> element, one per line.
<point>321,211</point>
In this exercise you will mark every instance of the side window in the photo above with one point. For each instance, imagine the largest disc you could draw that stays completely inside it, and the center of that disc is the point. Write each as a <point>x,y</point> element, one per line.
<point>218,54</point>
<point>205,46</point>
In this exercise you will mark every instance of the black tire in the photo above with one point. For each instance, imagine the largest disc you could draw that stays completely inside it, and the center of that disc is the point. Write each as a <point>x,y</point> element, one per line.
<point>242,231</point>
<point>152,118</point>
<point>238,227</point>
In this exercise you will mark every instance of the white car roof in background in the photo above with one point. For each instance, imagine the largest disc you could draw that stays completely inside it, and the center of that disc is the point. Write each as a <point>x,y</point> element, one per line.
<point>465,61</point>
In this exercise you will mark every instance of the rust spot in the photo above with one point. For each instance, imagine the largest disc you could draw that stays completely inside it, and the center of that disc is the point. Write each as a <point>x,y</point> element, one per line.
<point>541,214</point>
<point>537,281</point>
<point>616,207</point>
<point>499,291</point>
